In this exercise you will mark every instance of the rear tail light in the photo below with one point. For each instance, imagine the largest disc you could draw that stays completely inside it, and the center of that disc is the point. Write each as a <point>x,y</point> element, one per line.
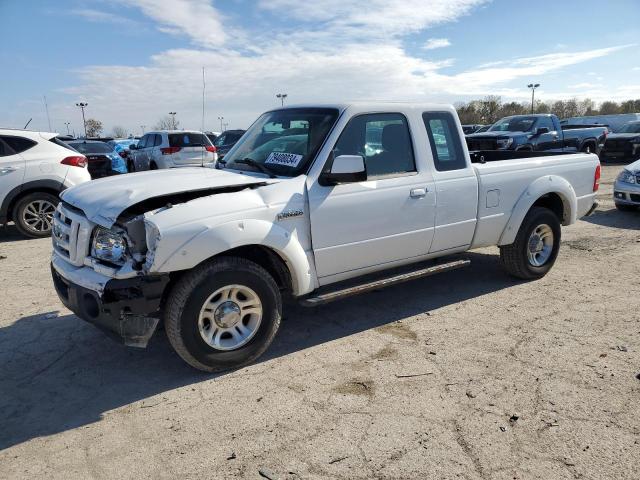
<point>210,148</point>
<point>75,161</point>
<point>169,150</point>
<point>596,179</point>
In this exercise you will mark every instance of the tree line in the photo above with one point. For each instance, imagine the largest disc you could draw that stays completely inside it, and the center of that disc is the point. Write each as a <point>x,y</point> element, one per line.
<point>491,108</point>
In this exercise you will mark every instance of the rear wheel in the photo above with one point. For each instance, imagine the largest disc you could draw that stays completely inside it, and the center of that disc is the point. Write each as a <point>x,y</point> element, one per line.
<point>588,148</point>
<point>33,214</point>
<point>153,166</point>
<point>223,314</point>
<point>536,246</point>
<point>130,166</point>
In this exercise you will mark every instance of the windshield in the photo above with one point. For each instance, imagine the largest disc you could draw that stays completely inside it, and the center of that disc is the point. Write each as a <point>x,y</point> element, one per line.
<point>630,128</point>
<point>97,147</point>
<point>284,141</point>
<point>513,124</point>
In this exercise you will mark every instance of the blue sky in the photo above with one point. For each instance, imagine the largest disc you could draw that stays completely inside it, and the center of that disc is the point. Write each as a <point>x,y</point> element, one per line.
<point>135,60</point>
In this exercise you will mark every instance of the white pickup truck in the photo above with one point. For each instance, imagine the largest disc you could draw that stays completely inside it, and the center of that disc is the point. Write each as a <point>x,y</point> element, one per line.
<point>315,202</point>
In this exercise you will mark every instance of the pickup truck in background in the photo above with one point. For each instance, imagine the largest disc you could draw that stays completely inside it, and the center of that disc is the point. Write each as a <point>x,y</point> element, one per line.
<point>622,146</point>
<point>537,133</point>
<point>315,203</point>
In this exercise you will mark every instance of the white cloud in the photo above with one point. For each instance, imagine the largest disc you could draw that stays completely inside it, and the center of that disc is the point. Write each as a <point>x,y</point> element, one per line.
<point>434,43</point>
<point>197,19</point>
<point>100,16</point>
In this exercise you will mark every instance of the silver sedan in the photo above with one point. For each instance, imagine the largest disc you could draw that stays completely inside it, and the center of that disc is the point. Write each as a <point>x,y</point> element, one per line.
<point>626,189</point>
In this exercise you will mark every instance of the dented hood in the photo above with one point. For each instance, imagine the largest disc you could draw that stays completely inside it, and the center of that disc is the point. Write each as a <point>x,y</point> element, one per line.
<point>102,201</point>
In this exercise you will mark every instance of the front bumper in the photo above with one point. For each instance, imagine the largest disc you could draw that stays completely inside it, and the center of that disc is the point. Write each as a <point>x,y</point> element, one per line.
<point>626,193</point>
<point>125,309</point>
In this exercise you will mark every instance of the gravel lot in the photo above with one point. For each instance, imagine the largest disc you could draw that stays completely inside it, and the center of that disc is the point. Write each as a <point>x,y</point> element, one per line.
<point>469,374</point>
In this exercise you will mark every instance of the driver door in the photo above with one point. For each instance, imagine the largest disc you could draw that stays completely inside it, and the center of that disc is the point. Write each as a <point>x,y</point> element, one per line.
<point>388,218</point>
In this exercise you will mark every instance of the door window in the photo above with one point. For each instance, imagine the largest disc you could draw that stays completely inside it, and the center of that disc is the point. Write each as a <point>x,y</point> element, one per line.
<point>143,141</point>
<point>546,122</point>
<point>383,139</point>
<point>444,140</point>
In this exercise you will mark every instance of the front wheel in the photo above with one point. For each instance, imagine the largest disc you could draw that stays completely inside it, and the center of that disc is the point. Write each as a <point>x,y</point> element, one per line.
<point>536,246</point>
<point>223,314</point>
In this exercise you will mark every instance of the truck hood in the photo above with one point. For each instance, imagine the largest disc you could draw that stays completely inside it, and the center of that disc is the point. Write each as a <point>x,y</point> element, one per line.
<point>102,201</point>
<point>633,167</point>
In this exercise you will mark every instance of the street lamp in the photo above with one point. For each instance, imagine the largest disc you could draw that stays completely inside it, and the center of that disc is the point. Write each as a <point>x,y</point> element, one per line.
<point>82,105</point>
<point>533,93</point>
<point>221,119</point>
<point>142,127</point>
<point>173,119</point>
<point>67,124</point>
<point>282,96</point>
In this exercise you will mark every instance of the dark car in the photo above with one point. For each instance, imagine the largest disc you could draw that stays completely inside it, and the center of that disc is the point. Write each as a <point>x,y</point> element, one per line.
<point>468,129</point>
<point>624,145</point>
<point>226,140</point>
<point>539,133</point>
<point>103,160</point>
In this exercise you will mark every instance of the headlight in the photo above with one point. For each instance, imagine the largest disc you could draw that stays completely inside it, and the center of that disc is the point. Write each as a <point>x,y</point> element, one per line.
<point>626,176</point>
<point>108,246</point>
<point>505,142</point>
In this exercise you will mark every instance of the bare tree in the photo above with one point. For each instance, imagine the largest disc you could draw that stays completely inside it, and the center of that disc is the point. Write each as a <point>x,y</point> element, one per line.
<point>609,108</point>
<point>167,123</point>
<point>119,132</point>
<point>94,127</point>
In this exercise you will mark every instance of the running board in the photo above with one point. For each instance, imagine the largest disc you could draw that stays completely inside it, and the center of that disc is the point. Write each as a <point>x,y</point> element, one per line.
<point>385,282</point>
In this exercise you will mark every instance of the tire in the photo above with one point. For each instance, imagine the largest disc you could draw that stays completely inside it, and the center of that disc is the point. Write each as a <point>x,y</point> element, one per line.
<point>588,148</point>
<point>153,166</point>
<point>516,257</point>
<point>130,166</point>
<point>33,214</point>
<point>626,208</point>
<point>197,289</point>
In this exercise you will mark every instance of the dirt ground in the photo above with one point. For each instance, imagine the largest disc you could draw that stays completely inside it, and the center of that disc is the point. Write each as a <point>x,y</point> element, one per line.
<point>469,374</point>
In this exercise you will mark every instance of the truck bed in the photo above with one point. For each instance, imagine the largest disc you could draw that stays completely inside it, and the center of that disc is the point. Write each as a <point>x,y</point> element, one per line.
<point>501,178</point>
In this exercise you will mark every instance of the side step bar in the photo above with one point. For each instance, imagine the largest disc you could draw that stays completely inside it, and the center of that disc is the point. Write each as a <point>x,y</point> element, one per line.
<point>385,282</point>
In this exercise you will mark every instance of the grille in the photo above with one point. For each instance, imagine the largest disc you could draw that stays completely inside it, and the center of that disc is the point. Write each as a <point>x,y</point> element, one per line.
<point>481,144</point>
<point>70,235</point>
<point>617,145</point>
<point>634,197</point>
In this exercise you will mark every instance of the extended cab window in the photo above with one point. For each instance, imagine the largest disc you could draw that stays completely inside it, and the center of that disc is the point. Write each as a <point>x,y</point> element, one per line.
<point>546,122</point>
<point>444,140</point>
<point>383,140</point>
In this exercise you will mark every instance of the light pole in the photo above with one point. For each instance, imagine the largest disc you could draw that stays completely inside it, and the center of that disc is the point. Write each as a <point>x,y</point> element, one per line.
<point>282,96</point>
<point>82,105</point>
<point>226,125</point>
<point>533,87</point>
<point>173,119</point>
<point>221,119</point>
<point>67,124</point>
<point>142,128</point>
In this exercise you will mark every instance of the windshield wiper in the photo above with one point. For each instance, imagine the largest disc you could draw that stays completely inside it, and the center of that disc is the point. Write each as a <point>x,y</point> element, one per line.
<point>251,162</point>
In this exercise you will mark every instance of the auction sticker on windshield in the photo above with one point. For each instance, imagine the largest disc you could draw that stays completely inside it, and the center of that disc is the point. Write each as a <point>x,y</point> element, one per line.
<point>281,158</point>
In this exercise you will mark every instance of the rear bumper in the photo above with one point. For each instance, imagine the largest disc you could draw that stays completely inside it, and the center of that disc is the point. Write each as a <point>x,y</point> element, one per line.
<point>126,309</point>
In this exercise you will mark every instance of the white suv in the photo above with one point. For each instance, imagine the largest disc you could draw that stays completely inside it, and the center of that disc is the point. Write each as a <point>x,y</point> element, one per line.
<point>34,168</point>
<point>173,148</point>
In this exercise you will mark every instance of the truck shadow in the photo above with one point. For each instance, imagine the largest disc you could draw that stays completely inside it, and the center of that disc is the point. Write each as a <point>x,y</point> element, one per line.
<point>615,218</point>
<point>9,233</point>
<point>58,373</point>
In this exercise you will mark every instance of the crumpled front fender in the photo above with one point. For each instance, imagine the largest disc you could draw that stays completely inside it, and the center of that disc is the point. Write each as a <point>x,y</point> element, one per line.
<point>220,238</point>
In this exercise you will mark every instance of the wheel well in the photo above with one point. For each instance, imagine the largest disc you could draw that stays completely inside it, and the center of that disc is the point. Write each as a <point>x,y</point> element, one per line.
<point>271,261</point>
<point>553,202</point>
<point>26,192</point>
<point>589,143</point>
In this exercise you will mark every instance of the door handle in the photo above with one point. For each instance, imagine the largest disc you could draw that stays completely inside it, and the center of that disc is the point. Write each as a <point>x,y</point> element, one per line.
<point>6,170</point>
<point>418,192</point>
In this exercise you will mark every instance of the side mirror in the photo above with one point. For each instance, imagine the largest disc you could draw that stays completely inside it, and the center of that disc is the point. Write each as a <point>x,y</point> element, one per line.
<point>345,169</point>
<point>133,146</point>
<point>542,130</point>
